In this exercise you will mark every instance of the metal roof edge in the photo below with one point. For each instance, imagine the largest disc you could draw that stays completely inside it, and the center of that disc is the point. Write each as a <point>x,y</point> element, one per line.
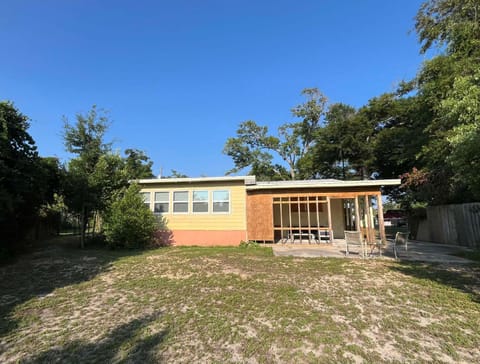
<point>249,180</point>
<point>324,184</point>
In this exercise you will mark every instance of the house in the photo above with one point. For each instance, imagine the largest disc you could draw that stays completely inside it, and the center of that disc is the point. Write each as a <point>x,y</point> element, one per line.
<point>227,210</point>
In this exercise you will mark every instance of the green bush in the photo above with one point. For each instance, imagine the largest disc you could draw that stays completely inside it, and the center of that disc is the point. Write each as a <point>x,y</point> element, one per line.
<point>129,223</point>
<point>249,244</point>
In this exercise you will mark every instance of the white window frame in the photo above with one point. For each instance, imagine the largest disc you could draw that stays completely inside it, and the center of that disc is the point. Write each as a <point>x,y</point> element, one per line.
<point>167,202</point>
<point>207,202</point>
<point>187,202</point>
<point>229,202</point>
<point>149,202</point>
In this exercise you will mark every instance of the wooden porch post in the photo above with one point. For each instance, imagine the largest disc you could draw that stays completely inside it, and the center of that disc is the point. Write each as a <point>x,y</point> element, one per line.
<point>357,214</point>
<point>329,212</point>
<point>370,238</point>
<point>381,225</point>
<point>290,217</point>
<point>318,220</point>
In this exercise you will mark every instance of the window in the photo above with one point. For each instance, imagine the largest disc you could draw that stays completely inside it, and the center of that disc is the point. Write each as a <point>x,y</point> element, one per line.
<point>180,202</point>
<point>221,201</point>
<point>161,202</point>
<point>200,201</point>
<point>146,198</point>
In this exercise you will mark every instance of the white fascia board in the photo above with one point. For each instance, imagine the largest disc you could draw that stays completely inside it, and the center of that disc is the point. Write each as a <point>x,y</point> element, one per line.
<point>247,179</point>
<point>320,184</point>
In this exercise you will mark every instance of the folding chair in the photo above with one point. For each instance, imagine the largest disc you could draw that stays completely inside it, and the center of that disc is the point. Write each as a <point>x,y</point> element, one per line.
<point>354,239</point>
<point>401,238</point>
<point>377,244</point>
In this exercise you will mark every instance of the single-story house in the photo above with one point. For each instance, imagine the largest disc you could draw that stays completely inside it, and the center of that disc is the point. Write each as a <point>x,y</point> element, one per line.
<point>227,210</point>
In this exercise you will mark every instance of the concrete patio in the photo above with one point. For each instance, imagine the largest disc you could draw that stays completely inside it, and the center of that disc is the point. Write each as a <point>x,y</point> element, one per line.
<point>417,251</point>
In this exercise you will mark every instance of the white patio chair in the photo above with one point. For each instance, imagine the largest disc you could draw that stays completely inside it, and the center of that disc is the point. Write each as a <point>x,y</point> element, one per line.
<point>401,238</point>
<point>354,239</point>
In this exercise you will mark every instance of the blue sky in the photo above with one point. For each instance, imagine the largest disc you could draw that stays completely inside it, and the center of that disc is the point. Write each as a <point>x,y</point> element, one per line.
<point>179,76</point>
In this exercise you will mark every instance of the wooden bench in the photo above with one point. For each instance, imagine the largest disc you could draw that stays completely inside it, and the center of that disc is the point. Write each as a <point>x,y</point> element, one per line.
<point>301,238</point>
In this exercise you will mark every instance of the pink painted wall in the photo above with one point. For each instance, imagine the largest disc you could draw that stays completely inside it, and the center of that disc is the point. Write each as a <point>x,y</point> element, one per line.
<point>208,237</point>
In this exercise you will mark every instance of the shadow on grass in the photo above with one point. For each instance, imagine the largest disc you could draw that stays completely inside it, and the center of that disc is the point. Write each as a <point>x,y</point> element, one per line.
<point>472,255</point>
<point>127,343</point>
<point>53,264</point>
<point>463,277</point>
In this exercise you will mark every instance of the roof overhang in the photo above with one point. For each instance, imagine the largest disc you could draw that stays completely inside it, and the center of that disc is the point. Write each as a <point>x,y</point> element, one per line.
<point>252,184</point>
<point>248,180</point>
<point>323,184</point>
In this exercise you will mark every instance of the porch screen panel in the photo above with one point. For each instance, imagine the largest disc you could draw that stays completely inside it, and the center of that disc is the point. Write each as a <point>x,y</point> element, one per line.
<point>300,217</point>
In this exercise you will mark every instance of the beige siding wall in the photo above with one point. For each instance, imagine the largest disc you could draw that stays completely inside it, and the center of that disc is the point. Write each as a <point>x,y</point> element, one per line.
<point>233,220</point>
<point>338,224</point>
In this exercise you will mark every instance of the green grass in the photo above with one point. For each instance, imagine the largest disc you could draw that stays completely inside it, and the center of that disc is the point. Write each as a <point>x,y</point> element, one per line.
<point>61,304</point>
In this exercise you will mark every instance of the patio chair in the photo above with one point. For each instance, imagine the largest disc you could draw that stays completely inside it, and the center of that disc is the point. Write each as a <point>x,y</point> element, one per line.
<point>376,244</point>
<point>354,239</point>
<point>401,238</point>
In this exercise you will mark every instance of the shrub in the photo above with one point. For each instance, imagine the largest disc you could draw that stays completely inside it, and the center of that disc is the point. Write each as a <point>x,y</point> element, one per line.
<point>129,223</point>
<point>249,244</point>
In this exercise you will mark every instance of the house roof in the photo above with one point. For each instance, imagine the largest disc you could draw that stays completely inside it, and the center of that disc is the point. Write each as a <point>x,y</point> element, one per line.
<point>247,179</point>
<point>252,184</point>
<point>322,183</point>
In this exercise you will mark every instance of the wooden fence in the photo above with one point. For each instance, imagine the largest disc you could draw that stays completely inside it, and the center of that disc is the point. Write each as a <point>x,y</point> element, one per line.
<point>452,224</point>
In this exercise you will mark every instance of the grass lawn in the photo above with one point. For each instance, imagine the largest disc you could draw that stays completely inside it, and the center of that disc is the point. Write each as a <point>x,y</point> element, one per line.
<point>181,305</point>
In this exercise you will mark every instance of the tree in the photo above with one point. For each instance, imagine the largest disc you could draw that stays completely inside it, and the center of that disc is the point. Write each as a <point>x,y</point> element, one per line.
<point>85,137</point>
<point>128,222</point>
<point>447,85</point>
<point>399,136</point>
<point>253,146</point>
<point>83,190</point>
<point>26,180</point>
<point>342,148</point>
<point>177,174</point>
<point>454,24</point>
<point>463,105</point>
<point>137,164</point>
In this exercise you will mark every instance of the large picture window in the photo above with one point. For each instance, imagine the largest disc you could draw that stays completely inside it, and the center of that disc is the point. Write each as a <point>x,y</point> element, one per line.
<point>180,202</point>
<point>221,201</point>
<point>200,201</point>
<point>161,202</point>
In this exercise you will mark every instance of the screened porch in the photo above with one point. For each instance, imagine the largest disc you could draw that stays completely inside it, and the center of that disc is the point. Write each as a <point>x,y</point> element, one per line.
<point>321,219</point>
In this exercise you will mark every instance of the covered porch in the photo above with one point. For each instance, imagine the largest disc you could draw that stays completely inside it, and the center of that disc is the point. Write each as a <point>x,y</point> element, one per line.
<point>317,212</point>
<point>321,218</point>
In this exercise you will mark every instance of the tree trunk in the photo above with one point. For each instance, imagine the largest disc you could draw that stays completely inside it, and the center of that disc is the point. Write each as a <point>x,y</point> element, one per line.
<point>82,228</point>
<point>292,171</point>
<point>94,223</point>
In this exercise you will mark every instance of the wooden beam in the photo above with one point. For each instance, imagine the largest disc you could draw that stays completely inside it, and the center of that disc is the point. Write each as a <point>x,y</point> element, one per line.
<point>318,220</point>
<point>357,214</point>
<point>337,192</point>
<point>299,217</point>
<point>329,214</point>
<point>290,218</point>
<point>321,194</point>
<point>370,238</point>
<point>381,225</point>
<point>281,221</point>
<point>308,218</point>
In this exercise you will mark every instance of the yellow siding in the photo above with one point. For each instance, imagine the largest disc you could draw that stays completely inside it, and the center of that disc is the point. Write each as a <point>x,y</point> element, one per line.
<point>234,220</point>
